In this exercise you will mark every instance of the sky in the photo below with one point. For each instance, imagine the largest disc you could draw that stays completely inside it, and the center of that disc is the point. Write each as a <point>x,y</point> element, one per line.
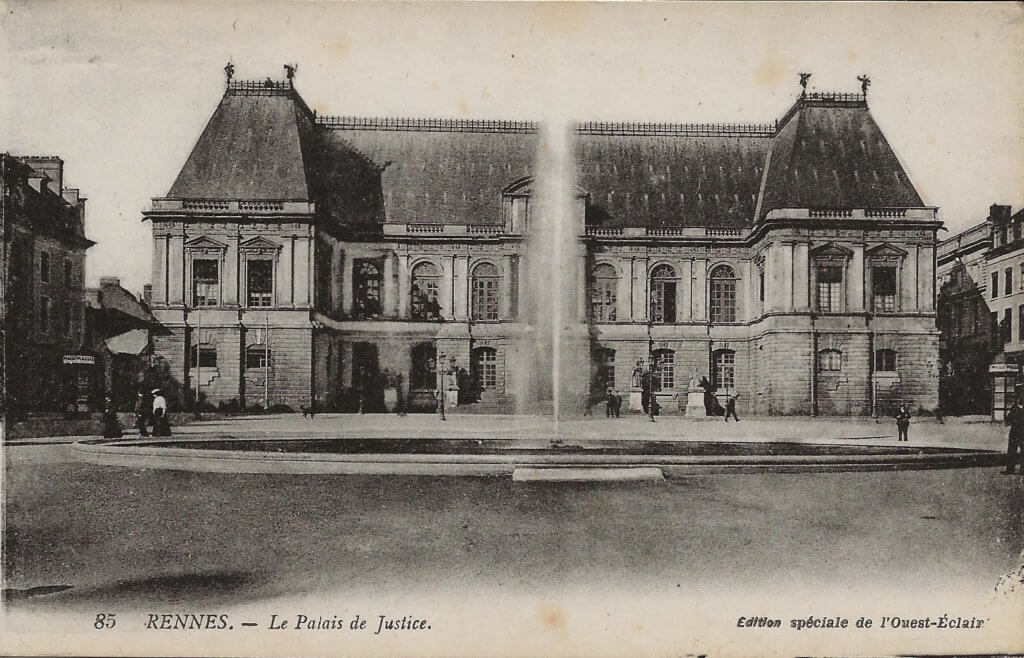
<point>122,90</point>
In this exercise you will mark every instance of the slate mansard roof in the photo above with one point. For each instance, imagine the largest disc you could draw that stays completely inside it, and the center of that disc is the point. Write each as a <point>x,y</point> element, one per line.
<point>263,143</point>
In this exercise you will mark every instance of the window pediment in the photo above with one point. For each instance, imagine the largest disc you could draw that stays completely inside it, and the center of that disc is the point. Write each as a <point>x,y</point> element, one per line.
<point>259,244</point>
<point>204,244</point>
<point>886,252</point>
<point>830,251</point>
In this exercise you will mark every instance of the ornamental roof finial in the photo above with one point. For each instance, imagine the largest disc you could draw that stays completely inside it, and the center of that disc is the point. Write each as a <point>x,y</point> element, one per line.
<point>804,77</point>
<point>865,82</point>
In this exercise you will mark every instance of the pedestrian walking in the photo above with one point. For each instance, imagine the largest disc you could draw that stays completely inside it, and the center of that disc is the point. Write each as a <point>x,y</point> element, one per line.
<point>730,408</point>
<point>654,408</point>
<point>903,422</point>
<point>617,408</point>
<point>609,405</point>
<point>1015,441</point>
<point>161,424</point>
<point>111,426</point>
<point>142,413</point>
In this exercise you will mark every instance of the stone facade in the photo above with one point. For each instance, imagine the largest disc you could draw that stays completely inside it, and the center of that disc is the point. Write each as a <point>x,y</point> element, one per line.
<point>42,267</point>
<point>800,283</point>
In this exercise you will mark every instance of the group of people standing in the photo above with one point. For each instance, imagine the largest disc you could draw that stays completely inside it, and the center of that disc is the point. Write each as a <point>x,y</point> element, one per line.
<point>150,410</point>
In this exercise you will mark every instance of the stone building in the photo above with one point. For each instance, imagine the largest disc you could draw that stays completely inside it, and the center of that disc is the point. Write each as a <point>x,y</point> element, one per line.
<point>980,274</point>
<point>791,263</point>
<point>42,269</point>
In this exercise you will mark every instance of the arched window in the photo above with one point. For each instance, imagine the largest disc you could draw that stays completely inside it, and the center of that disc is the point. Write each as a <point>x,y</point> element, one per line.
<point>366,284</point>
<point>830,361</point>
<point>885,360</point>
<point>485,367</point>
<point>663,377</point>
<point>426,282</point>
<point>725,369</point>
<point>602,298</point>
<point>486,284</point>
<point>423,374</point>
<point>723,294</point>
<point>257,356</point>
<point>663,294</point>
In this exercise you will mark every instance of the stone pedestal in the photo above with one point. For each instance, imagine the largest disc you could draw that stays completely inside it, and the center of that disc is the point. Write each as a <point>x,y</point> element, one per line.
<point>695,403</point>
<point>636,401</point>
<point>451,398</point>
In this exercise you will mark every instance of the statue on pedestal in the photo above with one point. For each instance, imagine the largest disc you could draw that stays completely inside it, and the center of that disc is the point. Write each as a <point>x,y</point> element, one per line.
<point>696,380</point>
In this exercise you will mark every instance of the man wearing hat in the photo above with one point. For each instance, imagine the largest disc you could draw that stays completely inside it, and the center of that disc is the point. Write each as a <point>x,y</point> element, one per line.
<point>143,409</point>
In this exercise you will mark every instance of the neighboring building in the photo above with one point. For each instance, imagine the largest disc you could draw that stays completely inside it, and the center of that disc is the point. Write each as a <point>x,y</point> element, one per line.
<point>43,265</point>
<point>792,263</point>
<point>968,342</point>
<point>119,330</point>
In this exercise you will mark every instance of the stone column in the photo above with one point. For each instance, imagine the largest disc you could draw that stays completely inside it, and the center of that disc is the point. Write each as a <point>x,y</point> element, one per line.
<point>698,289</point>
<point>346,286</point>
<point>232,273</point>
<point>640,294</point>
<point>460,280</point>
<point>855,286</point>
<point>787,276</point>
<point>684,306</point>
<point>389,306</point>
<point>176,270</point>
<point>747,289</point>
<point>404,285</point>
<point>505,309</point>
<point>801,277</point>
<point>447,292</point>
<point>160,269</point>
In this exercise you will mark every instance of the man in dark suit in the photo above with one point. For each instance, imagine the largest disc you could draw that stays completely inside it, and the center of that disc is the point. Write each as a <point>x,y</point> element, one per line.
<point>1015,443</point>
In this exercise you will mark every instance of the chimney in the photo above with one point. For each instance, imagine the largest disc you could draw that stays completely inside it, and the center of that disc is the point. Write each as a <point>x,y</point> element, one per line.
<point>998,214</point>
<point>109,281</point>
<point>92,298</point>
<point>50,165</point>
<point>70,195</point>
<point>147,294</point>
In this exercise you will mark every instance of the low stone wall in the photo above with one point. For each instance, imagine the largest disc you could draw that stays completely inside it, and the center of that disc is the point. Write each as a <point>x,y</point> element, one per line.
<point>90,425</point>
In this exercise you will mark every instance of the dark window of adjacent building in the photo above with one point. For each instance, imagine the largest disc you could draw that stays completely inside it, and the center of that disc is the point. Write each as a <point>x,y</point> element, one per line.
<point>723,294</point>
<point>663,294</point>
<point>426,283</point>
<point>725,369</point>
<point>486,285</point>
<point>830,288</point>
<point>1008,283</point>
<point>44,314</point>
<point>883,289</point>
<point>603,290</point>
<point>423,374</point>
<point>996,333</point>
<point>1020,323</point>
<point>256,356</point>
<point>1006,328</point>
<point>205,282</point>
<point>760,284</point>
<point>604,359</point>
<point>830,361</point>
<point>995,285</point>
<point>259,282</point>
<point>885,360</point>
<point>485,367</point>
<point>366,285</point>
<point>203,356</point>
<point>664,376</point>
<point>44,267</point>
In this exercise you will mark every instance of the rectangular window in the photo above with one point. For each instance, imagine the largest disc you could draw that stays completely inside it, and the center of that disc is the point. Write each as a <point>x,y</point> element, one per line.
<point>725,370</point>
<point>203,357</point>
<point>1020,323</point>
<point>885,360</point>
<point>1008,273</point>
<point>830,284</point>
<point>883,289</point>
<point>664,377</point>
<point>830,361</point>
<point>760,285</point>
<point>602,300</point>
<point>44,267</point>
<point>256,356</point>
<point>1006,330</point>
<point>995,285</point>
<point>205,282</point>
<point>44,314</point>
<point>485,299</point>
<point>259,279</point>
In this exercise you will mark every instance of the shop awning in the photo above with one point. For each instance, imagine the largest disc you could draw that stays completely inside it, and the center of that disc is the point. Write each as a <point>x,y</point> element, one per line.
<point>130,342</point>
